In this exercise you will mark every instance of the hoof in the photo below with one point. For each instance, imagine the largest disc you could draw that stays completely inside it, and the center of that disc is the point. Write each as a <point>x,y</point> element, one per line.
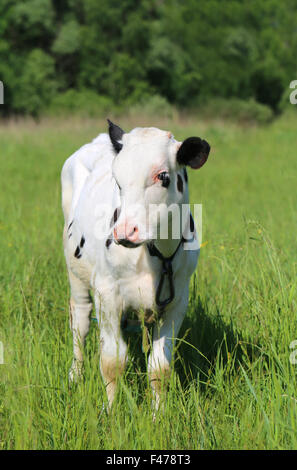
<point>75,372</point>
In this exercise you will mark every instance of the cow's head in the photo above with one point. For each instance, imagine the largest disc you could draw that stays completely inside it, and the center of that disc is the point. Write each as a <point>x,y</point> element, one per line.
<point>150,171</point>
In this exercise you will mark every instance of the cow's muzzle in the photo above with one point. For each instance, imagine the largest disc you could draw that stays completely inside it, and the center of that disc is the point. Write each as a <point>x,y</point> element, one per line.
<point>127,235</point>
<point>127,243</point>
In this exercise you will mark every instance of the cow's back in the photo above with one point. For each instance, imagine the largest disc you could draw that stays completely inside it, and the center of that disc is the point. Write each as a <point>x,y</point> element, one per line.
<point>88,188</point>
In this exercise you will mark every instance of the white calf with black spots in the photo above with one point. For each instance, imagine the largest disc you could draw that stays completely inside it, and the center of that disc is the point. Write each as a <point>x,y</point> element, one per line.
<point>116,192</point>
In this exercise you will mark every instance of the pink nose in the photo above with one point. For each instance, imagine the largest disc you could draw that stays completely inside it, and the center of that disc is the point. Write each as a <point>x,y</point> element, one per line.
<point>126,232</point>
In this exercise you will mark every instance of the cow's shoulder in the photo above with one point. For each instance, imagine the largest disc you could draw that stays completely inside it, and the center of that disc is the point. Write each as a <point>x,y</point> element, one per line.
<point>91,154</point>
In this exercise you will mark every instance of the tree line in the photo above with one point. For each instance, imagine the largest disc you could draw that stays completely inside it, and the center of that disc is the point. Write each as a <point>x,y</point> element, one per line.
<point>122,52</point>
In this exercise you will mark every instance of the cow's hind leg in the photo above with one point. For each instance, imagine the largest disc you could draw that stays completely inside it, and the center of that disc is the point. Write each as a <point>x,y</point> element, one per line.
<point>79,316</point>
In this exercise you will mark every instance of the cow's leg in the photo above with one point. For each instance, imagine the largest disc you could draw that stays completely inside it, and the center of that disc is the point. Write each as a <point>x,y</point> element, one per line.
<point>79,316</point>
<point>160,359</point>
<point>113,349</point>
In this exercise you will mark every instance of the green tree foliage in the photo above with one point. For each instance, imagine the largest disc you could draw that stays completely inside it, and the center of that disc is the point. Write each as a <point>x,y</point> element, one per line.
<point>36,87</point>
<point>131,50</point>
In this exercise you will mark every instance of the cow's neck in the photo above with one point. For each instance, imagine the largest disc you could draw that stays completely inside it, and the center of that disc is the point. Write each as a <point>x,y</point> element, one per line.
<point>167,247</point>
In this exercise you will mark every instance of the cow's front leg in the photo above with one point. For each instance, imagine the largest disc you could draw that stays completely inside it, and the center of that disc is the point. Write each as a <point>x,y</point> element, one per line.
<point>79,317</point>
<point>113,349</point>
<point>160,359</point>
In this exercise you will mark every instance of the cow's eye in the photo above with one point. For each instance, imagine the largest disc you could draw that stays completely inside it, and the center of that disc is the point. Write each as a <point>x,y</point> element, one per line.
<point>165,178</point>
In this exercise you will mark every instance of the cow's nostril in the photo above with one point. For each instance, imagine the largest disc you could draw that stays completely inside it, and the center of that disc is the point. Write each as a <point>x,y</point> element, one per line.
<point>128,233</point>
<point>133,232</point>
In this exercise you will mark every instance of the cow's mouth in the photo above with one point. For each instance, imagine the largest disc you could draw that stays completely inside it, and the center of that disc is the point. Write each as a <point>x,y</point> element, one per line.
<point>127,243</point>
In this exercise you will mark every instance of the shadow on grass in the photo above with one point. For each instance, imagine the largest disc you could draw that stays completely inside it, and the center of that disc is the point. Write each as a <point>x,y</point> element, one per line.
<point>208,343</point>
<point>205,343</point>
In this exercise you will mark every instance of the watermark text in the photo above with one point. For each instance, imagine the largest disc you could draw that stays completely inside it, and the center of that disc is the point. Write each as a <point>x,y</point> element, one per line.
<point>293,95</point>
<point>293,355</point>
<point>157,221</point>
<point>1,353</point>
<point>1,93</point>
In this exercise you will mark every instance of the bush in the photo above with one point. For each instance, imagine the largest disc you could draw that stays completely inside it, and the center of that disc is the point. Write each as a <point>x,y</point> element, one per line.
<point>153,106</point>
<point>86,103</point>
<point>267,82</point>
<point>37,85</point>
<point>237,110</point>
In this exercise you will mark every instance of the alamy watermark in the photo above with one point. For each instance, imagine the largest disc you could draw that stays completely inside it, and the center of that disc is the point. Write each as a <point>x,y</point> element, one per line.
<point>1,93</point>
<point>1,353</point>
<point>293,95</point>
<point>160,221</point>
<point>293,355</point>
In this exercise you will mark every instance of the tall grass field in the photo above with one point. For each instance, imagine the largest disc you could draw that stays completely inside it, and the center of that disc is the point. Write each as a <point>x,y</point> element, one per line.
<point>235,379</point>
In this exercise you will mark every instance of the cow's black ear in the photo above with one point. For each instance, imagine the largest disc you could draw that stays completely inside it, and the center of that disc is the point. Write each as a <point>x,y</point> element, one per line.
<point>193,152</point>
<point>115,134</point>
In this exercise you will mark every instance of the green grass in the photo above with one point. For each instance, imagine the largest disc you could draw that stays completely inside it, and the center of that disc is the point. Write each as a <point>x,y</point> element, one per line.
<point>234,386</point>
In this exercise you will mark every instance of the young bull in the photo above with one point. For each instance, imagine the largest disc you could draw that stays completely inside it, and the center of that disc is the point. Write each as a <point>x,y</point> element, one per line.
<point>116,192</point>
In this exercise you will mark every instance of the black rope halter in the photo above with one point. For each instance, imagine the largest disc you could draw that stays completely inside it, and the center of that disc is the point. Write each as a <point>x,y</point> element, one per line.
<point>166,271</point>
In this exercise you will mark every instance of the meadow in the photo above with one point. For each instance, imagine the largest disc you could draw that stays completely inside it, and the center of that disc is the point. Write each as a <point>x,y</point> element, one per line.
<point>234,385</point>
